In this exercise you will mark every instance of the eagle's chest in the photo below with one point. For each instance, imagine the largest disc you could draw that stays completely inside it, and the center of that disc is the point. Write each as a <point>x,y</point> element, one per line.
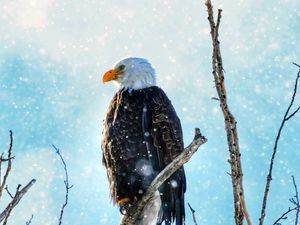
<point>125,128</point>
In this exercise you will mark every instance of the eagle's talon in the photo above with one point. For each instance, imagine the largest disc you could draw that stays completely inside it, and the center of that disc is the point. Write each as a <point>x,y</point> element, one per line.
<point>125,208</point>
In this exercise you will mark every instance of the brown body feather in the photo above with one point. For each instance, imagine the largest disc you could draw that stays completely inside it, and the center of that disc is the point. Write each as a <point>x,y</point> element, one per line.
<point>142,134</point>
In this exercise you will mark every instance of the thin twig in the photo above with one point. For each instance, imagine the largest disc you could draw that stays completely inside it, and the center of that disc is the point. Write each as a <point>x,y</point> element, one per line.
<point>230,122</point>
<point>30,220</point>
<point>6,189</point>
<point>6,159</point>
<point>66,182</point>
<point>215,98</point>
<point>296,64</point>
<point>1,160</point>
<point>18,196</point>
<point>193,213</point>
<point>135,210</point>
<point>283,216</point>
<point>296,200</point>
<point>286,117</point>
<point>8,168</point>
<point>293,114</point>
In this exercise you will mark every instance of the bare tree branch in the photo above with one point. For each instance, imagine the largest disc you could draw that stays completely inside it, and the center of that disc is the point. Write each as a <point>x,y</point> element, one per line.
<point>9,159</point>
<point>230,123</point>
<point>193,213</point>
<point>66,182</point>
<point>6,189</point>
<point>296,64</point>
<point>283,216</point>
<point>134,212</point>
<point>286,117</point>
<point>293,114</point>
<point>1,160</point>
<point>30,220</point>
<point>16,199</point>
<point>295,201</point>
<point>19,193</point>
<point>11,208</point>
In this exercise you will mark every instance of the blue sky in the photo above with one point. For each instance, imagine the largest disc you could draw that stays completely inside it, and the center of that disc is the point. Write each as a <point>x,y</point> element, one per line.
<point>53,54</point>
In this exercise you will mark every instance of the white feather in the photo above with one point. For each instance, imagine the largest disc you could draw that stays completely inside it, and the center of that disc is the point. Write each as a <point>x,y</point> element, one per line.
<point>137,74</point>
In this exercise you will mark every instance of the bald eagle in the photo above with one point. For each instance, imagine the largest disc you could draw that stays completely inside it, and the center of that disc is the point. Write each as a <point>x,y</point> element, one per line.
<point>141,135</point>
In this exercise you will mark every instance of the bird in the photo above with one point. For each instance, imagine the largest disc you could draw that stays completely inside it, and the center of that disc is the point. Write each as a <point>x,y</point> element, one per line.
<point>141,135</point>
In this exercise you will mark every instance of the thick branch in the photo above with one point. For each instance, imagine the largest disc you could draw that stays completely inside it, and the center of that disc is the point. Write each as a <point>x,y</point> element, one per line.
<point>286,118</point>
<point>135,211</point>
<point>16,199</point>
<point>230,123</point>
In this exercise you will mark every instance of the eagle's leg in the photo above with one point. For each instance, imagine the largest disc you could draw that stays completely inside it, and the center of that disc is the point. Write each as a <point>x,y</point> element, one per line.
<point>123,201</point>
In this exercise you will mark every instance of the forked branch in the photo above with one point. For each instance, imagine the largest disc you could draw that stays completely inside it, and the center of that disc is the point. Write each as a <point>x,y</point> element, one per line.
<point>295,201</point>
<point>16,199</point>
<point>287,116</point>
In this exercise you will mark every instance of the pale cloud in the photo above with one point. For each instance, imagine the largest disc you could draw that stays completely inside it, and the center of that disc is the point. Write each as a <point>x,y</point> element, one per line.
<point>27,14</point>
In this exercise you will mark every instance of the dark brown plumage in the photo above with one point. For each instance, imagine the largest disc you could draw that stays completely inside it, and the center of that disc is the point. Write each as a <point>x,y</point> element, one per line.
<point>142,134</point>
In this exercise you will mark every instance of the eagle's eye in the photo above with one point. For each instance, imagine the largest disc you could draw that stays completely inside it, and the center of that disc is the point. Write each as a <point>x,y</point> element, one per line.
<point>121,67</point>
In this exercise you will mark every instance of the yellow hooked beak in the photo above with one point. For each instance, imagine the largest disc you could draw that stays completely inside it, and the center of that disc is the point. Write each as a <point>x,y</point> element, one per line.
<point>110,75</point>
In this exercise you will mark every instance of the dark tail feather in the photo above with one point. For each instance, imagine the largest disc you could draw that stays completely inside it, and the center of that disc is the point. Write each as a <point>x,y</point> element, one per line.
<point>167,202</point>
<point>172,196</point>
<point>179,195</point>
<point>179,208</point>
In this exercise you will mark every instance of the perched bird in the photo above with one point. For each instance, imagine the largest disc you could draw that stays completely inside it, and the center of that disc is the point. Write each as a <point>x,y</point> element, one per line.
<point>142,134</point>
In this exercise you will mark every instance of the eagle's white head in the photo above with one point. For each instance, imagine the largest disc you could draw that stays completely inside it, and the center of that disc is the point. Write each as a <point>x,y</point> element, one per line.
<point>131,73</point>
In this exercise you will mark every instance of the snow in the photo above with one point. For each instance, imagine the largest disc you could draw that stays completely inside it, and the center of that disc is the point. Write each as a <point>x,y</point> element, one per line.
<point>51,61</point>
<point>143,167</point>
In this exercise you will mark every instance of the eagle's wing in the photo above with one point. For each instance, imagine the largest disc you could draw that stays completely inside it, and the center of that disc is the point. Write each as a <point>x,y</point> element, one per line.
<point>168,139</point>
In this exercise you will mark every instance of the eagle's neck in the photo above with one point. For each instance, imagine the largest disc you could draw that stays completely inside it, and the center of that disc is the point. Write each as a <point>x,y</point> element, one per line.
<point>136,81</point>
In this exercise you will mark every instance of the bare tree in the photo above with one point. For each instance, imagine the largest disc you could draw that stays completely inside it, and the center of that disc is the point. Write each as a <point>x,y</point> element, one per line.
<point>66,182</point>
<point>287,116</point>
<point>232,134</point>
<point>230,122</point>
<point>19,194</point>
<point>295,201</point>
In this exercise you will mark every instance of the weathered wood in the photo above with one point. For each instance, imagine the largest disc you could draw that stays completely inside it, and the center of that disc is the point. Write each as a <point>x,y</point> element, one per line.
<point>230,122</point>
<point>134,212</point>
